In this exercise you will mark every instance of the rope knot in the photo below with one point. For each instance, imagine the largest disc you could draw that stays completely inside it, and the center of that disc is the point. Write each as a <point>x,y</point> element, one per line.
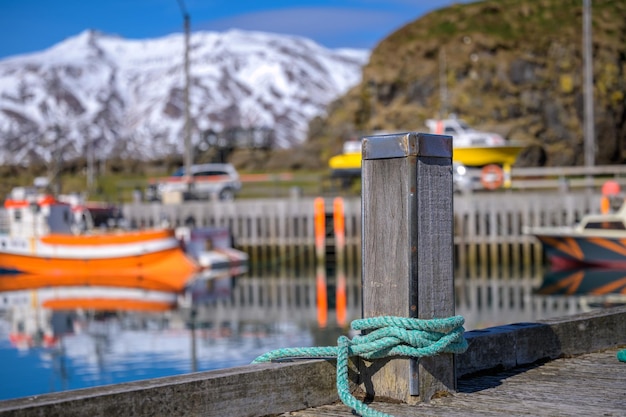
<point>385,336</point>
<point>415,338</point>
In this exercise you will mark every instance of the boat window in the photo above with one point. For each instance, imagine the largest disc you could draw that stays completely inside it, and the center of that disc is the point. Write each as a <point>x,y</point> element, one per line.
<point>608,225</point>
<point>18,215</point>
<point>479,141</point>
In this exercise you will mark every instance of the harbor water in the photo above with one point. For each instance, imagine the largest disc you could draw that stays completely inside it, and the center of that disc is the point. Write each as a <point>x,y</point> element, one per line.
<point>49,346</point>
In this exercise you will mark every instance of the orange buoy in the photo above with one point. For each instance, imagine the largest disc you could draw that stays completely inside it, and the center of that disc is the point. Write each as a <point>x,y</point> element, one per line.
<point>610,187</point>
<point>492,176</point>
<point>610,190</point>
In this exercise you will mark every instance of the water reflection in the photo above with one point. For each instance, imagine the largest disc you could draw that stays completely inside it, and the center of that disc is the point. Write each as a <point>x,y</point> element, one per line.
<point>597,286</point>
<point>57,333</point>
<point>55,338</point>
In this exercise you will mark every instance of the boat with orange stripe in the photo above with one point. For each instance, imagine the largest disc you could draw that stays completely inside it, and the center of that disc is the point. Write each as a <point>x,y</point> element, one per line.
<point>599,240</point>
<point>47,236</point>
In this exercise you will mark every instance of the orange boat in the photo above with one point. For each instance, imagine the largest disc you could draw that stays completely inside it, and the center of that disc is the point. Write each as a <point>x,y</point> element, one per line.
<point>49,237</point>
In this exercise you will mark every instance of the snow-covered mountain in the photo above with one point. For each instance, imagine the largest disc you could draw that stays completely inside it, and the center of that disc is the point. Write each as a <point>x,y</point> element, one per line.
<point>118,97</point>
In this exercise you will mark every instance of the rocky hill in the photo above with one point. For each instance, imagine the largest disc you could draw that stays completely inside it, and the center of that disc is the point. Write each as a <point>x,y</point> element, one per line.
<point>510,66</point>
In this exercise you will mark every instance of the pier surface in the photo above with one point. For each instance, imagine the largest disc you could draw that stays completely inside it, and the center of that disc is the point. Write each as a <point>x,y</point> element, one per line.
<point>592,384</point>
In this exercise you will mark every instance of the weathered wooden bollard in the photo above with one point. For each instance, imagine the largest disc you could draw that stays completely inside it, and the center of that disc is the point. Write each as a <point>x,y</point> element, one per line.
<point>407,247</point>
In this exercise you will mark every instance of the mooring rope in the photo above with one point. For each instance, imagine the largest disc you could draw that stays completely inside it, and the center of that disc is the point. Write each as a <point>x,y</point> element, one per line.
<point>388,336</point>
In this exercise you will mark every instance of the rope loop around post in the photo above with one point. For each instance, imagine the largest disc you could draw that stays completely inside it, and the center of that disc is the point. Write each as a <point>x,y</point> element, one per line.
<point>388,336</point>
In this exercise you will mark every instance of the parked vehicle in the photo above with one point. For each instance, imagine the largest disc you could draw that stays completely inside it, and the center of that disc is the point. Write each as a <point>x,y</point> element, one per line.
<point>205,182</point>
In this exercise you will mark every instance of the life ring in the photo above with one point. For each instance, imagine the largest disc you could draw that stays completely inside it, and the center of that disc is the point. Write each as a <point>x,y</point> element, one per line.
<point>492,177</point>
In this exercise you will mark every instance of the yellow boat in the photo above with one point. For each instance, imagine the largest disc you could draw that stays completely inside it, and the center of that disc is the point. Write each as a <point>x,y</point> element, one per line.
<point>350,163</point>
<point>346,164</point>
<point>470,147</point>
<point>474,148</point>
<point>477,156</point>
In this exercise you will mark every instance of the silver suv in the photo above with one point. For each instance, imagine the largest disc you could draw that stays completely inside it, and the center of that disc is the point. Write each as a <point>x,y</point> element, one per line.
<point>207,181</point>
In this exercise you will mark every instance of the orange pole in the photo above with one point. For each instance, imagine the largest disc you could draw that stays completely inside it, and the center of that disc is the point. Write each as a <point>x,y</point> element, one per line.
<point>339,223</point>
<point>605,205</point>
<point>341,299</point>
<point>340,242</point>
<point>322,296</point>
<point>319,214</point>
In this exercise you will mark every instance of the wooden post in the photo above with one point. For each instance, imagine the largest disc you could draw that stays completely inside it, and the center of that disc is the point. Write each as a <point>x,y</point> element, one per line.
<point>407,247</point>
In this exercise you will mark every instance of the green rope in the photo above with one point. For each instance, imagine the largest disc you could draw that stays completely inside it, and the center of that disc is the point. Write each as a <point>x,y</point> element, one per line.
<point>389,336</point>
<point>621,355</point>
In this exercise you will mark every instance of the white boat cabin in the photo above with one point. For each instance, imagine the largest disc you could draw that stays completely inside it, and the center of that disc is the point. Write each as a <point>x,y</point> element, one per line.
<point>32,214</point>
<point>462,134</point>
<point>352,146</point>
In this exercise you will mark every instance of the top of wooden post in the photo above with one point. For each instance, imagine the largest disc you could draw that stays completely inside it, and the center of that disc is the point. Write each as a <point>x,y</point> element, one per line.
<point>400,145</point>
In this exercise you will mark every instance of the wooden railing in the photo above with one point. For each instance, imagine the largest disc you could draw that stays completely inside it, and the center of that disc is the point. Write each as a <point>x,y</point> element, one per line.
<point>488,227</point>
<point>558,178</point>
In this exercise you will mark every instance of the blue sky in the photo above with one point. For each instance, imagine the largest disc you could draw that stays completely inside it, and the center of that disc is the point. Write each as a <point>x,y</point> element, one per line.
<point>32,25</point>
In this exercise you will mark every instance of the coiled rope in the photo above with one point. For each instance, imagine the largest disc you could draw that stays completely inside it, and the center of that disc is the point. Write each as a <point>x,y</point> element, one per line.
<point>388,336</point>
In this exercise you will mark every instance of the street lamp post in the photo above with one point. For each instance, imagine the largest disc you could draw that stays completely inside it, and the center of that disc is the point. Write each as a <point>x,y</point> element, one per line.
<point>187,153</point>
<point>589,131</point>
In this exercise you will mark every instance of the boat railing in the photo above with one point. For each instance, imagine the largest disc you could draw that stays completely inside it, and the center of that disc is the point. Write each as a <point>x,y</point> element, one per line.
<point>566,178</point>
